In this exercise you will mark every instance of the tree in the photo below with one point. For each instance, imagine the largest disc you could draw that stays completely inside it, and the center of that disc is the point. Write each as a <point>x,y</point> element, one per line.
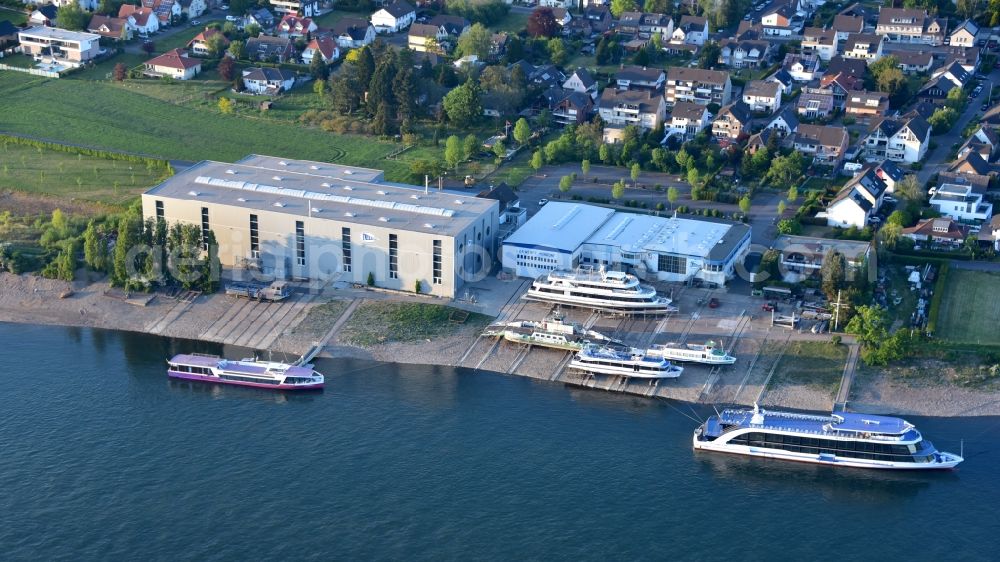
<point>364,67</point>
<point>238,50</point>
<point>618,189</point>
<point>709,55</point>
<point>793,193</point>
<point>72,17</point>
<point>95,248</point>
<point>889,235</point>
<point>634,173</point>
<point>557,51</point>
<point>833,273</point>
<point>344,94</point>
<point>870,325</point>
<point>910,189</point>
<point>522,131</point>
<point>620,6</point>
<point>887,77</point>
<point>462,104</point>
<point>500,151</point>
<point>956,99</point>
<point>453,151</point>
<point>542,23</point>
<point>942,120</point>
<point>317,67</point>
<point>227,69</point>
<point>225,105</point>
<point>383,123</point>
<point>585,167</point>
<point>745,205</point>
<point>898,217</point>
<point>470,147</point>
<point>785,171</point>
<point>216,45</point>
<point>789,226</point>
<point>565,183</point>
<point>380,86</point>
<point>673,194</point>
<point>120,72</point>
<point>604,153</point>
<point>781,207</point>
<point>404,88</point>
<point>475,41</point>
<point>537,160</point>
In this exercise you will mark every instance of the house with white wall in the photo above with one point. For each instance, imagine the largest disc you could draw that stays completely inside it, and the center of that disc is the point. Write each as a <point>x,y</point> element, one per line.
<point>394,18</point>
<point>961,203</point>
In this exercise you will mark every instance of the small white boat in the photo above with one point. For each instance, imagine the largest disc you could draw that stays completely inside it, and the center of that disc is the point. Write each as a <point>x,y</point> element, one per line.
<point>707,354</point>
<point>608,291</point>
<point>552,332</point>
<point>605,360</point>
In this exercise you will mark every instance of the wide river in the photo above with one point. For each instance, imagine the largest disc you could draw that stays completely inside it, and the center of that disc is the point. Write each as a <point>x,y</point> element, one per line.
<point>103,458</point>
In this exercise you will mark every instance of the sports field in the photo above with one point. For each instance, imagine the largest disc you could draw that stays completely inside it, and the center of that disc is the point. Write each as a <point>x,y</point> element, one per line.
<point>106,115</point>
<point>970,309</point>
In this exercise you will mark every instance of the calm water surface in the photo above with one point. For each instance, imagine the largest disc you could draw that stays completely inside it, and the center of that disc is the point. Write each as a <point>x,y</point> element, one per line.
<point>103,457</point>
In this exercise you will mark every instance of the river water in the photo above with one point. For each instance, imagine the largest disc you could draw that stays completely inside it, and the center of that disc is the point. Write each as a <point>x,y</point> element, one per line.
<point>103,457</point>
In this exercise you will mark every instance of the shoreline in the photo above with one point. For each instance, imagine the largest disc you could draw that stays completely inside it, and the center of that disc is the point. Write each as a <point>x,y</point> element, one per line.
<point>26,299</point>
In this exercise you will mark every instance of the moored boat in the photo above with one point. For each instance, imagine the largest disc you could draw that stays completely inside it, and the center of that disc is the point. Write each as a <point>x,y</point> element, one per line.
<point>708,354</point>
<point>606,291</point>
<point>552,332</point>
<point>245,372</point>
<point>604,360</point>
<point>840,439</point>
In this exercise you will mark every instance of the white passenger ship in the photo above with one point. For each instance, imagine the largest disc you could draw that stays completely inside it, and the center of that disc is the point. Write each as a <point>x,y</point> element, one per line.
<point>610,291</point>
<point>840,439</point>
<point>552,332</point>
<point>707,354</point>
<point>605,360</point>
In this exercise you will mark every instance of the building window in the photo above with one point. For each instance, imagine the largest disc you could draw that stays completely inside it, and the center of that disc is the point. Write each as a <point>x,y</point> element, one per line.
<point>254,238</point>
<point>672,264</point>
<point>159,210</point>
<point>393,256</point>
<point>437,262</point>
<point>300,243</point>
<point>345,237</point>
<point>204,228</point>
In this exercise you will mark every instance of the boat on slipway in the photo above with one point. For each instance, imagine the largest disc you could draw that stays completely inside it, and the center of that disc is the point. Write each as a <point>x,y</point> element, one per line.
<point>552,332</point>
<point>707,354</point>
<point>840,439</point>
<point>605,360</point>
<point>606,291</point>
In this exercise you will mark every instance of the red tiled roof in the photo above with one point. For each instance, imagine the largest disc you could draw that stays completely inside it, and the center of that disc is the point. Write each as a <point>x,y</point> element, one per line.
<point>174,58</point>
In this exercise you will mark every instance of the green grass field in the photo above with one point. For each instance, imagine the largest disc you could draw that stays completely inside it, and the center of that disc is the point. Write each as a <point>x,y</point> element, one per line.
<point>511,23</point>
<point>73,177</point>
<point>815,364</point>
<point>118,117</point>
<point>970,309</point>
<point>16,18</point>
<point>375,322</point>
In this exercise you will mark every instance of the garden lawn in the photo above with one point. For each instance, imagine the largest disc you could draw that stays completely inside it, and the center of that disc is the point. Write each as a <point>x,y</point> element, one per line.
<point>112,117</point>
<point>14,17</point>
<point>75,177</point>
<point>970,309</point>
<point>375,322</point>
<point>105,70</point>
<point>814,364</point>
<point>513,22</point>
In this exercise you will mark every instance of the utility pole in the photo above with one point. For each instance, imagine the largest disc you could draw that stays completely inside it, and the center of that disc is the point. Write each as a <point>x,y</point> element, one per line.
<point>836,313</point>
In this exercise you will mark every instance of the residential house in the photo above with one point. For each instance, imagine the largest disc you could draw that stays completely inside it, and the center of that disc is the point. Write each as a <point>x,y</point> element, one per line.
<point>744,53</point>
<point>971,163</point>
<point>353,33</point>
<point>979,184</point>
<point>899,139</point>
<point>628,23</point>
<point>890,173</point>
<point>964,35</point>
<point>863,46</point>
<point>307,8</point>
<point>844,25</point>
<point>573,107</point>
<point>840,85</point>
<point>961,203</point>
<point>200,45</point>
<point>167,11</point>
<point>802,68</point>
<point>785,123</point>
<point>644,108</point>
<point>778,20</point>
<point>192,8</point>
<point>498,46</point>
<point>942,81</point>
<point>141,20</point>
<point>989,235</point>
<point>268,81</point>
<point>905,25</point>
<point>599,17</point>
<point>801,257</point>
<point>452,26</point>
<point>175,64</point>
<point>44,15</point>
<point>732,123</point>
<point>260,17</point>
<point>967,57</point>
<point>70,48</point>
<point>762,96</point>
<point>783,79</point>
<point>820,42</point>
<point>760,140</point>
<point>267,48</point>
<point>560,4</point>
<point>866,106</point>
<point>991,116</point>
<point>581,81</point>
<point>847,67</point>
<point>914,62</point>
<point>923,109</point>
<point>825,144</point>
<point>656,24</point>
<point>110,28</point>
<point>562,15</point>
<point>985,141</point>
<point>394,18</point>
<point>425,37</point>
<point>324,47</point>
<point>857,202</point>
<point>293,26</point>
<point>815,103</point>
<point>639,77</point>
<point>938,232</point>
<point>687,120</point>
<point>698,85</point>
<point>691,30</point>
<point>8,34</point>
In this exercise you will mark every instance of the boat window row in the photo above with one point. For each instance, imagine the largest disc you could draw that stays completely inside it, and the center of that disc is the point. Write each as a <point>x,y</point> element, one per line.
<point>637,297</point>
<point>190,369</point>
<point>238,378</point>
<point>297,380</point>
<point>814,445</point>
<point>620,364</point>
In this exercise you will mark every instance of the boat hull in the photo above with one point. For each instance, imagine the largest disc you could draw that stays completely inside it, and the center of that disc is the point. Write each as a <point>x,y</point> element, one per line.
<point>528,340</point>
<point>829,460</point>
<point>624,371</point>
<point>217,380</point>
<point>596,304</point>
<point>701,360</point>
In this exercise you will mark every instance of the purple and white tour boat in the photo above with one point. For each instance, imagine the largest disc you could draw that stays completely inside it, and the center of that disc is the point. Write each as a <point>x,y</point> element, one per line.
<point>245,372</point>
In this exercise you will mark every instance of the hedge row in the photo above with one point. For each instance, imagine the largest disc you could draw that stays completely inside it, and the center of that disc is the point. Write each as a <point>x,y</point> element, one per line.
<point>95,152</point>
<point>965,256</point>
<point>932,313</point>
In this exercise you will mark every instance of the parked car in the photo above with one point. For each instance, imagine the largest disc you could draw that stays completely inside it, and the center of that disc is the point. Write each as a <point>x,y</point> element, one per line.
<point>985,106</point>
<point>542,202</point>
<point>224,7</point>
<point>769,307</point>
<point>232,18</point>
<point>713,303</point>
<point>195,22</point>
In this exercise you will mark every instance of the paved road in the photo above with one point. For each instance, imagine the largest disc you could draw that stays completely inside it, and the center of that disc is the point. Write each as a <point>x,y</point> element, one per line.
<point>135,47</point>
